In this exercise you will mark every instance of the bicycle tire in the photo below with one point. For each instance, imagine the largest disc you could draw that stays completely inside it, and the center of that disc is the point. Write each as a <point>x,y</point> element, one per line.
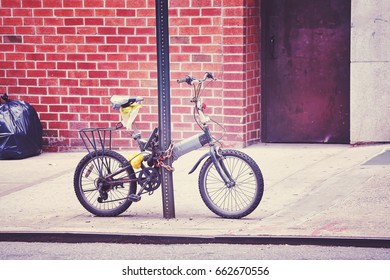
<point>237,201</point>
<point>87,176</point>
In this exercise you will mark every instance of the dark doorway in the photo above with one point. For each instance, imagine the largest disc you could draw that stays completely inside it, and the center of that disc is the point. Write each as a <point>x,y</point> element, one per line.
<point>306,70</point>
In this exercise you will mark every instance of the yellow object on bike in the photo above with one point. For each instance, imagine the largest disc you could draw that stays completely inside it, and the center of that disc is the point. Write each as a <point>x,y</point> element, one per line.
<point>136,160</point>
<point>129,114</point>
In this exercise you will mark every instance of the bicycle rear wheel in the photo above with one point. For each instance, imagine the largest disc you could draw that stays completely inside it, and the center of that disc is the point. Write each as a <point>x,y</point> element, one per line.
<point>239,200</point>
<point>99,195</point>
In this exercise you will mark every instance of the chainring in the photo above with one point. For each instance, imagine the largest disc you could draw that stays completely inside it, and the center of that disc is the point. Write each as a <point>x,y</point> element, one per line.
<point>149,178</point>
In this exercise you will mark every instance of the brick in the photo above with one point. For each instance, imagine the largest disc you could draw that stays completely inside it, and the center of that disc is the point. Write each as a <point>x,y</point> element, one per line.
<point>55,57</point>
<point>233,40</point>
<point>179,3</point>
<point>74,40</point>
<point>73,3</point>
<point>57,91</point>
<point>105,13</point>
<point>107,30</point>
<point>11,4</point>
<point>66,30</point>
<point>189,12</point>
<point>79,91</point>
<point>114,21</point>
<point>33,21</point>
<point>53,39</point>
<point>126,31</point>
<point>180,57</point>
<point>136,41</point>
<point>31,3</point>
<point>178,22</point>
<point>234,2</point>
<point>211,30</point>
<point>7,48</point>
<point>97,74</point>
<point>94,39</point>
<point>46,65</point>
<point>28,82</point>
<point>25,48</point>
<point>15,73</point>
<point>236,21</point>
<point>180,40</point>
<point>116,3</point>
<point>15,56</point>
<point>90,100</point>
<point>56,74</point>
<point>190,49</point>
<point>201,58</point>
<point>77,74</point>
<point>96,57</point>
<point>201,40</point>
<point>66,48</point>
<point>94,3</point>
<point>66,65</point>
<point>84,12</point>
<point>201,3</point>
<point>109,83</point>
<point>36,73</point>
<point>45,30</point>
<point>64,13</point>
<point>117,74</point>
<point>52,4</point>
<point>48,117</point>
<point>94,21</point>
<point>233,12</point>
<point>211,12</point>
<point>233,58</point>
<point>7,30</point>
<point>107,65</point>
<point>116,57</point>
<point>69,82</point>
<point>51,82</point>
<point>145,31</point>
<point>58,125</point>
<point>125,13</point>
<point>33,39</point>
<point>74,21</point>
<point>12,21</point>
<point>87,48</point>
<point>116,39</point>
<point>189,31</point>
<point>135,4</point>
<point>86,30</point>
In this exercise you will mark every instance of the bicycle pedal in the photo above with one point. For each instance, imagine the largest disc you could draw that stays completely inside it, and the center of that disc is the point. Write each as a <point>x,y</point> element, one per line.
<point>135,197</point>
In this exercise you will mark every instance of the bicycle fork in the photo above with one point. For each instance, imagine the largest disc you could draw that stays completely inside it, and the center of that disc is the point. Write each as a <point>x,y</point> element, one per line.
<point>217,160</point>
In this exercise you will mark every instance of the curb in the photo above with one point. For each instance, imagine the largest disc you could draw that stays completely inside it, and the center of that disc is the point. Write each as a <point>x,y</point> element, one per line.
<point>75,237</point>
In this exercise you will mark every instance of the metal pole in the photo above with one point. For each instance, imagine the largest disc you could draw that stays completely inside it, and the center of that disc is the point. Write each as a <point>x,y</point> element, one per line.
<point>164,106</point>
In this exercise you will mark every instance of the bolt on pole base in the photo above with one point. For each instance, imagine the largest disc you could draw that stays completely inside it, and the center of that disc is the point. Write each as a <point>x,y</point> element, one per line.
<point>164,106</point>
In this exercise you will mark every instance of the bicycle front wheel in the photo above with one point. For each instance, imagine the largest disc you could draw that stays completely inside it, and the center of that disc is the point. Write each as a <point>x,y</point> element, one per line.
<point>235,201</point>
<point>99,193</point>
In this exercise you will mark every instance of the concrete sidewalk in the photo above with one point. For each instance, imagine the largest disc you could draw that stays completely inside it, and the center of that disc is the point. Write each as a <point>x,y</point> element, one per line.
<point>310,190</point>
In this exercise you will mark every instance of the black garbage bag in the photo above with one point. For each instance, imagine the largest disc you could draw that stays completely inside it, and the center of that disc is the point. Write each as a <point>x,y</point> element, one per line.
<point>20,130</point>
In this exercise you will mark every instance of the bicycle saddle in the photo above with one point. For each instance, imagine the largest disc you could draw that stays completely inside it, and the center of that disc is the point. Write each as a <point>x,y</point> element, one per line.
<point>123,101</point>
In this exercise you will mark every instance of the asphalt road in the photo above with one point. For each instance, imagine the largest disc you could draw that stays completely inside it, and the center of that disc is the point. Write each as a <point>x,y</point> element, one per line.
<point>105,251</point>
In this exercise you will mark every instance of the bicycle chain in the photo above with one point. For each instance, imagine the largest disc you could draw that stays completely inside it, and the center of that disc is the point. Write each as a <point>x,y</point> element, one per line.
<point>167,154</point>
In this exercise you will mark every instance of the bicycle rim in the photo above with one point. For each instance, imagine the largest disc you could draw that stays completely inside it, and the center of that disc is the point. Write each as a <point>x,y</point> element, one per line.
<point>239,200</point>
<point>114,198</point>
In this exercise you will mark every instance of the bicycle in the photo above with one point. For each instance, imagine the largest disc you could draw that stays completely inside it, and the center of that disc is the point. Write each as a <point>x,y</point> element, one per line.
<point>105,182</point>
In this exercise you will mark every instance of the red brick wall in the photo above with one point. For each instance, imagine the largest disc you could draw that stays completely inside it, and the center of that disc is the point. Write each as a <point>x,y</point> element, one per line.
<point>68,57</point>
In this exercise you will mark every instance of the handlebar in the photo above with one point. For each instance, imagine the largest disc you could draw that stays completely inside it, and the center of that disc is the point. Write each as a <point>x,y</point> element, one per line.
<point>189,80</point>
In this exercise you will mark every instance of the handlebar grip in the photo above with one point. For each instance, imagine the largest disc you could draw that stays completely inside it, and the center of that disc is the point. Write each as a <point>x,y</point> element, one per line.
<point>181,80</point>
<point>210,76</point>
<point>187,79</point>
